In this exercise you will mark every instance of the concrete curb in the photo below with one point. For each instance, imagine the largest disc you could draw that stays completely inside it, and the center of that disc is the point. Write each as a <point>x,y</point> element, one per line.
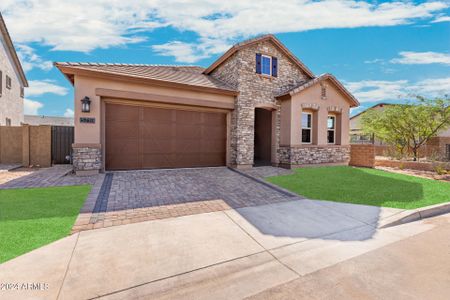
<point>412,215</point>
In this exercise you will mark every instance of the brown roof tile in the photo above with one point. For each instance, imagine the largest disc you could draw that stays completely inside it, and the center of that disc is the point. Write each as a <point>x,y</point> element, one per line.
<point>186,75</point>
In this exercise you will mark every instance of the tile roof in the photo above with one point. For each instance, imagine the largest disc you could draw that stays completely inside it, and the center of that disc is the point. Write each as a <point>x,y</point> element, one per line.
<point>186,75</point>
<point>304,85</point>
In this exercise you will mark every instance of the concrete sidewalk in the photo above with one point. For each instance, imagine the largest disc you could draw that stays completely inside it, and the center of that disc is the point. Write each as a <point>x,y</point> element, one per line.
<point>220,255</point>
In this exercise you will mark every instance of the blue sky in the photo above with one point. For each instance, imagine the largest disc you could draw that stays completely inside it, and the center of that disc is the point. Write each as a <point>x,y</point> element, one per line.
<point>382,51</point>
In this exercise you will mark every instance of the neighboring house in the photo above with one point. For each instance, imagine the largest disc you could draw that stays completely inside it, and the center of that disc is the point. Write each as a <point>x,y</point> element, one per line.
<point>47,120</point>
<point>356,134</point>
<point>257,104</point>
<point>438,146</point>
<point>12,81</point>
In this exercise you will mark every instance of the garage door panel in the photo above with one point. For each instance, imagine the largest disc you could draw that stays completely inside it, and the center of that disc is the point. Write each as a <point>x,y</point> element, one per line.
<point>125,113</point>
<point>188,132</point>
<point>158,160</point>
<point>157,146</point>
<point>214,120</point>
<point>145,137</point>
<point>158,115</point>
<point>157,131</point>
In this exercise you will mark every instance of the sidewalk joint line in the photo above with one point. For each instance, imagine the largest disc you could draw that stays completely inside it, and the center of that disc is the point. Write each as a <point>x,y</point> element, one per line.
<point>266,250</point>
<point>68,265</point>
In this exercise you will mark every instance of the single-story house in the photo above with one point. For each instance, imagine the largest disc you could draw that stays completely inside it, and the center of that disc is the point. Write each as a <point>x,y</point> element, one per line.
<point>47,120</point>
<point>257,104</point>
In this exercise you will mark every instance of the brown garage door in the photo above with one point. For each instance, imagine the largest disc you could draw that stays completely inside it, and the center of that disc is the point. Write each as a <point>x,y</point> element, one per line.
<point>140,137</point>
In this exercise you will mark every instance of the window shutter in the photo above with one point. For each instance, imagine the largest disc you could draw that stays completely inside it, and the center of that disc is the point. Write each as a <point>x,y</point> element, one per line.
<point>258,63</point>
<point>274,67</point>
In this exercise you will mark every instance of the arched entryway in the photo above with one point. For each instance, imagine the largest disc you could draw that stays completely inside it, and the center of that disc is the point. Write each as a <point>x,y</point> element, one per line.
<point>263,137</point>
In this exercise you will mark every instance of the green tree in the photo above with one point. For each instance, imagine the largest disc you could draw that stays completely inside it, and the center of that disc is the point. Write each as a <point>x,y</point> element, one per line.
<point>408,126</point>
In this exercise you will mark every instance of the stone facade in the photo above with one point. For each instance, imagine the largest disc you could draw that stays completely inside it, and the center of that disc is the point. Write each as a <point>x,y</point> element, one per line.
<point>291,156</point>
<point>87,159</point>
<point>239,71</point>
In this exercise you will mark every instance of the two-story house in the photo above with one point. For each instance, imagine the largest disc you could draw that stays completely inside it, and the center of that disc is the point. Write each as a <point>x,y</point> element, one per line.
<point>12,81</point>
<point>257,104</point>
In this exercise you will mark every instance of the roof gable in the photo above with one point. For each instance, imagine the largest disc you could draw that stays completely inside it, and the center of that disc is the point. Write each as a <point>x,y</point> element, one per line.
<point>12,51</point>
<point>303,86</point>
<point>268,37</point>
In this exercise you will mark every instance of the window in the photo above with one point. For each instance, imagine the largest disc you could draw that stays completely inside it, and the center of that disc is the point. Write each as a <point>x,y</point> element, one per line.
<point>8,82</point>
<point>306,128</point>
<point>266,65</point>
<point>22,92</point>
<point>331,129</point>
<point>1,83</point>
<point>8,122</point>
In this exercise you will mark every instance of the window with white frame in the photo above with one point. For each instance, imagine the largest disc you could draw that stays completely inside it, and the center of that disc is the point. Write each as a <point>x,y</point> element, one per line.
<point>331,129</point>
<point>266,65</point>
<point>306,128</point>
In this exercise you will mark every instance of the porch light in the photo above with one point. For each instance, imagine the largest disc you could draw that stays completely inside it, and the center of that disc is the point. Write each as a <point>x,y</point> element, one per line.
<point>86,104</point>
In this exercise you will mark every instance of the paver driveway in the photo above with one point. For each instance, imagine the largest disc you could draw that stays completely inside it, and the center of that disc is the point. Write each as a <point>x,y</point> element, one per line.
<point>136,196</point>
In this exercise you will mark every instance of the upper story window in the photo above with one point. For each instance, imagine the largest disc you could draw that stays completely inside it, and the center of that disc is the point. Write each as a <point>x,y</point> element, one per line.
<point>8,122</point>
<point>22,92</point>
<point>266,65</point>
<point>307,128</point>
<point>8,82</point>
<point>1,83</point>
<point>331,129</point>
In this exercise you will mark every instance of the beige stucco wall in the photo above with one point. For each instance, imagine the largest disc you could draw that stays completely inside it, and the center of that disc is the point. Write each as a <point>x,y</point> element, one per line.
<point>291,125</point>
<point>11,104</point>
<point>86,86</point>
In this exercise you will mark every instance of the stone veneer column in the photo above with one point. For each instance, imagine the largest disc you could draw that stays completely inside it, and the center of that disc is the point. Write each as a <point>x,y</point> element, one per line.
<point>87,159</point>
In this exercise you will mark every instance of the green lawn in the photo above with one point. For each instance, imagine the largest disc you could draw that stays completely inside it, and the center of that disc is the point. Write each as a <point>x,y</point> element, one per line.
<point>364,186</point>
<point>31,218</point>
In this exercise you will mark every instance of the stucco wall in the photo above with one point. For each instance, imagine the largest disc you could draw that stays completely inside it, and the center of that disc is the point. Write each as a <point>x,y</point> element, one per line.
<point>11,104</point>
<point>240,71</point>
<point>310,100</point>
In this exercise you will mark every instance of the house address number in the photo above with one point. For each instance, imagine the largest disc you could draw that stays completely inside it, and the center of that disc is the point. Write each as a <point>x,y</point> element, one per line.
<point>87,120</point>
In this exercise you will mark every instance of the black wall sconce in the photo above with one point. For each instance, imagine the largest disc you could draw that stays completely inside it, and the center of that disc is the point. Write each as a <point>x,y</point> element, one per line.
<point>86,104</point>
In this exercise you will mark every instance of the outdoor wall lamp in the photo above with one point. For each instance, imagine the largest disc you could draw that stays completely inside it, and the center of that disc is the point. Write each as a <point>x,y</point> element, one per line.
<point>86,104</point>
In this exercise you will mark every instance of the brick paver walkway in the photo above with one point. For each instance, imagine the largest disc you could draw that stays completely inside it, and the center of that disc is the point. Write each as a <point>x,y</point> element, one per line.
<point>137,196</point>
<point>58,175</point>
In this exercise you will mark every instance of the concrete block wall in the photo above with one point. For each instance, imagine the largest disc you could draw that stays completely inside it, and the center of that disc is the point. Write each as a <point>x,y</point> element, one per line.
<point>362,155</point>
<point>26,145</point>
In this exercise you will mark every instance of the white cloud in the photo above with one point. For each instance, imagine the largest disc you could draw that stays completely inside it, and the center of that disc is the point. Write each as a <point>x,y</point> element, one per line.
<point>422,58</point>
<point>29,59</point>
<point>69,25</point>
<point>41,87</point>
<point>441,19</point>
<point>374,61</point>
<point>191,52</point>
<point>379,90</point>
<point>69,113</point>
<point>31,107</point>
